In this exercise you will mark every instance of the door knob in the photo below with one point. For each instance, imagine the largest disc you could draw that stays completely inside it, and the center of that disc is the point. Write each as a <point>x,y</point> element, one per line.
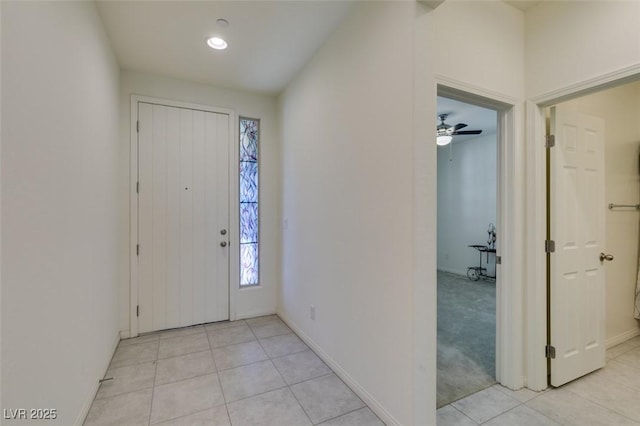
<point>604,257</point>
<point>223,244</point>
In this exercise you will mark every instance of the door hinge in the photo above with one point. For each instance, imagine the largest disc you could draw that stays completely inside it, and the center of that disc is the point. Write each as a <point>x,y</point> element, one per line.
<point>550,352</point>
<point>549,246</point>
<point>138,126</point>
<point>498,260</point>
<point>550,141</point>
<point>137,249</point>
<point>137,310</point>
<point>137,187</point>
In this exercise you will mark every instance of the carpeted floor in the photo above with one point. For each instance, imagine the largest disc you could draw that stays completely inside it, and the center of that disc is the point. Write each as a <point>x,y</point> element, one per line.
<point>466,336</point>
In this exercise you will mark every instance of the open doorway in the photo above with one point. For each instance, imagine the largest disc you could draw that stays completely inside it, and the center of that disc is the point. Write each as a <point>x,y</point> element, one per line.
<point>608,275</point>
<point>467,243</point>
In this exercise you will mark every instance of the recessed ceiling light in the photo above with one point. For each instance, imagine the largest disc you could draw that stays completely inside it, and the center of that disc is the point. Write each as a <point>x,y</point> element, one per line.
<point>222,22</point>
<point>217,43</point>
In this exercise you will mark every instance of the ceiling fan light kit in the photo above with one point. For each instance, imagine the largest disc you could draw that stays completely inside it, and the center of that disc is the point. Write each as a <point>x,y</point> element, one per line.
<point>445,132</point>
<point>443,140</point>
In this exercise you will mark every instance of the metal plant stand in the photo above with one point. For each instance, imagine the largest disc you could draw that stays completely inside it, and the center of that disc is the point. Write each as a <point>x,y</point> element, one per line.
<point>474,273</point>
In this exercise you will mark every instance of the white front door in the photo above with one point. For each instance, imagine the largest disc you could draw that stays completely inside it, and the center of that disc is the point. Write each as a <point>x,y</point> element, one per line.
<point>183,217</point>
<point>577,292</point>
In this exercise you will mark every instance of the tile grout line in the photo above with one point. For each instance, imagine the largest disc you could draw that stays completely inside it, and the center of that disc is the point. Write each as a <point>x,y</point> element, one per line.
<point>344,414</point>
<point>520,405</point>
<point>286,385</point>
<point>224,397</point>
<point>258,394</point>
<point>603,406</point>
<point>186,378</point>
<point>497,415</point>
<point>540,412</point>
<point>313,378</point>
<point>185,354</point>
<point>318,377</point>
<point>195,412</point>
<point>299,403</point>
<point>215,365</point>
<point>504,412</point>
<point>461,412</point>
<point>153,389</point>
<point>191,414</point>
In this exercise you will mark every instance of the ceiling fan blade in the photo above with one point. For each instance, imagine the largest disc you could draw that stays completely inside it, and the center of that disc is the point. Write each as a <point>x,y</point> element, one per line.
<point>459,126</point>
<point>468,132</point>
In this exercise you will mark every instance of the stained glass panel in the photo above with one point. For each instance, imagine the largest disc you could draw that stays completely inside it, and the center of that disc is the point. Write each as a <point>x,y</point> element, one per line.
<point>249,264</point>
<point>248,140</point>
<point>249,220</point>
<point>249,202</point>
<point>248,182</point>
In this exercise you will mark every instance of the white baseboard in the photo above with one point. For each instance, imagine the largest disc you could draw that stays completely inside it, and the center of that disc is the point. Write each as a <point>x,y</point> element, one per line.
<point>375,406</point>
<point>453,271</point>
<point>82,416</point>
<point>254,314</point>
<point>622,337</point>
<point>124,334</point>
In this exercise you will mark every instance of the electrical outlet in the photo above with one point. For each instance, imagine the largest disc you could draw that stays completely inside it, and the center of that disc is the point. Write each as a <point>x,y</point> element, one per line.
<point>312,312</point>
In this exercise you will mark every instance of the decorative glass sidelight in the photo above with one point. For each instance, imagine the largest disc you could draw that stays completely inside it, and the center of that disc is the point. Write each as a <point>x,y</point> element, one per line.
<point>249,202</point>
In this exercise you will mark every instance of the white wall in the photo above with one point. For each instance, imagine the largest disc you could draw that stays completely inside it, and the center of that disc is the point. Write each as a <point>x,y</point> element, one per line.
<point>466,202</point>
<point>481,44</point>
<point>478,47</point>
<point>60,225</point>
<point>424,225</point>
<point>570,42</point>
<point>249,302</point>
<point>1,212</point>
<point>620,108</point>
<point>347,183</point>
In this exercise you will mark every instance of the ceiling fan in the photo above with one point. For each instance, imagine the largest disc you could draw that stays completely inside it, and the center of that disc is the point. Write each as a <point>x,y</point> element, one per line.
<point>444,131</point>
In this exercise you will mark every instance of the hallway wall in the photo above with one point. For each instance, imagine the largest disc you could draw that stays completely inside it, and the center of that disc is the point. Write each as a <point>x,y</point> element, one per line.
<point>467,185</point>
<point>489,39</point>
<point>60,226</point>
<point>347,184</point>
<point>620,108</point>
<point>570,42</point>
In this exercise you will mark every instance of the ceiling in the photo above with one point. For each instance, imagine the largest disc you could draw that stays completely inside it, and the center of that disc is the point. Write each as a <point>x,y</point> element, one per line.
<point>269,41</point>
<point>475,117</point>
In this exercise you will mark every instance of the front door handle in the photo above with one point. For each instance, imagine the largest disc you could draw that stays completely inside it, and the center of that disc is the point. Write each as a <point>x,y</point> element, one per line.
<point>604,257</point>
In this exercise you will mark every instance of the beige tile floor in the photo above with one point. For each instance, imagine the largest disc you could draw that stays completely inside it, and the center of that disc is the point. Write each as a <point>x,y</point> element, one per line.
<point>258,371</point>
<point>607,397</point>
<point>248,372</point>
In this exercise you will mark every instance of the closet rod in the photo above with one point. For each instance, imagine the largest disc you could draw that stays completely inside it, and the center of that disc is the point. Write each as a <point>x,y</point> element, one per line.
<point>632,206</point>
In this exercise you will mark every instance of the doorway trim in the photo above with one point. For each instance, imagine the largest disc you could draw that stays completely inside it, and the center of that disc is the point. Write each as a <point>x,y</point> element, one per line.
<point>509,214</point>
<point>536,300</point>
<point>234,255</point>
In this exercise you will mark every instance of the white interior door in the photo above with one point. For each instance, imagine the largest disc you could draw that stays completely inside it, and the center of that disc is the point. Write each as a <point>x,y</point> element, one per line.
<point>183,217</point>
<point>577,293</point>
